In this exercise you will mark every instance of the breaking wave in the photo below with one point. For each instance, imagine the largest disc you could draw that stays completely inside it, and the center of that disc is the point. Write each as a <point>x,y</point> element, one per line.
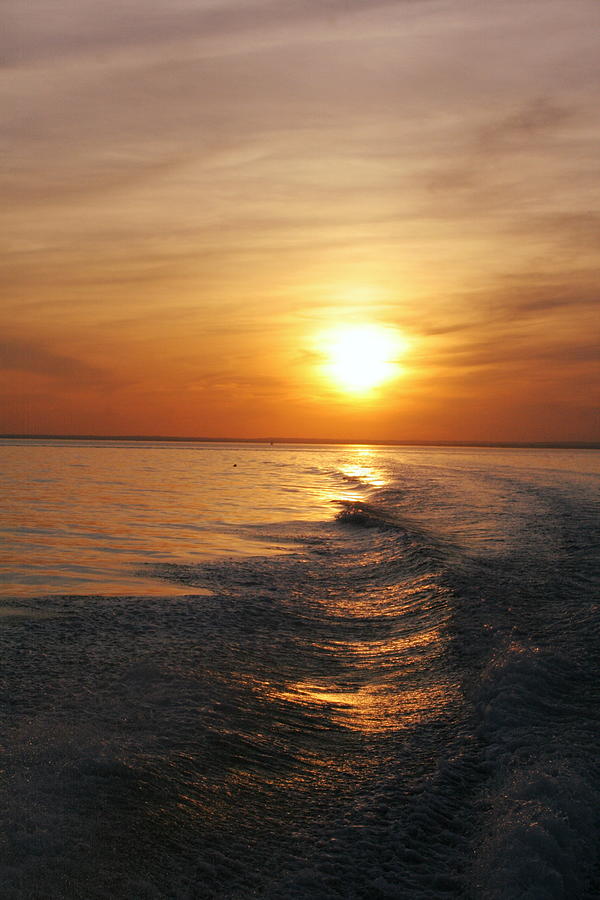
<point>404,704</point>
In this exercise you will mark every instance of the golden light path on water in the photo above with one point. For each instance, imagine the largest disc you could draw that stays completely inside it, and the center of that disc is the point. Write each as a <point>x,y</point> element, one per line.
<point>362,707</point>
<point>379,706</point>
<point>387,678</point>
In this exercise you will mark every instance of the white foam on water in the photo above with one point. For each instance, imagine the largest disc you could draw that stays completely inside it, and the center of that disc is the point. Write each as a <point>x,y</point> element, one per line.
<point>403,703</point>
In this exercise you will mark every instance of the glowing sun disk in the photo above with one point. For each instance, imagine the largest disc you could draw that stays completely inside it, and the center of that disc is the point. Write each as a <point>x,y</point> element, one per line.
<point>361,357</point>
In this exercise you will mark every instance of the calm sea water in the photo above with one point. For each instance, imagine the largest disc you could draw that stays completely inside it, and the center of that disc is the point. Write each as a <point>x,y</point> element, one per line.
<point>238,671</point>
<point>85,517</point>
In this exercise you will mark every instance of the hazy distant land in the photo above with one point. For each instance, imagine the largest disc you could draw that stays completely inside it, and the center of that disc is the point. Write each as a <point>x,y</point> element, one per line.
<point>539,445</point>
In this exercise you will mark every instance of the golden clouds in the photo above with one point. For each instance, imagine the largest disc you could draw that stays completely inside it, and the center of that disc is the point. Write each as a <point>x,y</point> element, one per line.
<point>192,196</point>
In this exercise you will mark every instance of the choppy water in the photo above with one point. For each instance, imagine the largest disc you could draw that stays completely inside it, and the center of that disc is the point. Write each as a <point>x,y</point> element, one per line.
<point>313,673</point>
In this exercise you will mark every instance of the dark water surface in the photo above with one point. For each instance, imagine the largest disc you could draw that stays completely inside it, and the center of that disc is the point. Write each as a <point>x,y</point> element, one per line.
<point>302,672</point>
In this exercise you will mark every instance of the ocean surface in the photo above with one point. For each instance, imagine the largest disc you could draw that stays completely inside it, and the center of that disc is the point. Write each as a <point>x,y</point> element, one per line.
<point>253,671</point>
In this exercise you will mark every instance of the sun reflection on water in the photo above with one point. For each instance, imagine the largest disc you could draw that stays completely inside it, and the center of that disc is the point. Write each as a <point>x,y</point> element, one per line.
<point>356,703</point>
<point>361,473</point>
<point>373,707</point>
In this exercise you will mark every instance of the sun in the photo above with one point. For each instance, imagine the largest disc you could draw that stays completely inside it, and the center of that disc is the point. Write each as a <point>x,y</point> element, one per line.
<point>359,358</point>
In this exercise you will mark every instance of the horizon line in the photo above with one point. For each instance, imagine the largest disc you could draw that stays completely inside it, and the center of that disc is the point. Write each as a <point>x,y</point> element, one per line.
<point>566,445</point>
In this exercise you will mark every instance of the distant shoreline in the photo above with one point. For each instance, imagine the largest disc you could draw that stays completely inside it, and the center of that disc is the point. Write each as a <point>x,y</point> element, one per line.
<point>523,445</point>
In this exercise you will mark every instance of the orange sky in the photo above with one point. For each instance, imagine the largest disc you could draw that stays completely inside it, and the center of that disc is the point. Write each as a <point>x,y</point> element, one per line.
<point>197,190</point>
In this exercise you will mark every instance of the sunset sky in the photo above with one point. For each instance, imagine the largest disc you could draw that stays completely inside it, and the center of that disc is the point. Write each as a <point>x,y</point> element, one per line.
<point>204,200</point>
